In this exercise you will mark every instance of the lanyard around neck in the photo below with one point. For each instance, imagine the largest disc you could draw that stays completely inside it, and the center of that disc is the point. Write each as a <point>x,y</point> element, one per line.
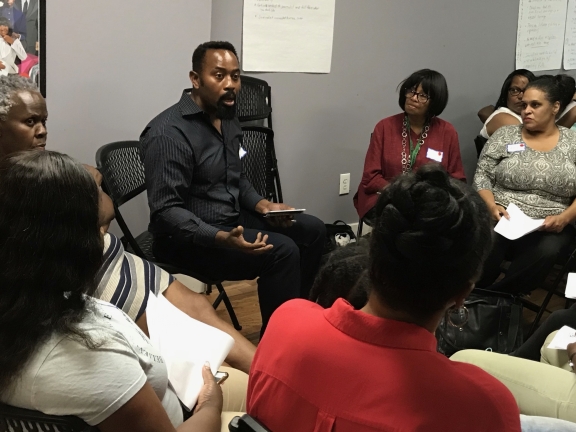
<point>414,149</point>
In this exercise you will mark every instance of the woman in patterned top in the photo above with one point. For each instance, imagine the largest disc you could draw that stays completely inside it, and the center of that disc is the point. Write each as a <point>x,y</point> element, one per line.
<point>532,165</point>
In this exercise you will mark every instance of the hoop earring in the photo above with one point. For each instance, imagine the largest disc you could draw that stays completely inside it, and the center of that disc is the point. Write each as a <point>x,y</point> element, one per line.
<point>461,312</point>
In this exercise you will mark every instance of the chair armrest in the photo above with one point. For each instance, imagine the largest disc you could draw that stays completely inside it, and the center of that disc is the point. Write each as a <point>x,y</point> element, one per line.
<point>246,423</point>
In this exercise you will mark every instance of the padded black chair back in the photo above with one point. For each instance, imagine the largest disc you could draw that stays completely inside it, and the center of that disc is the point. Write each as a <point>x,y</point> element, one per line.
<point>123,179</point>
<point>22,420</point>
<point>254,101</point>
<point>259,163</point>
<point>480,142</point>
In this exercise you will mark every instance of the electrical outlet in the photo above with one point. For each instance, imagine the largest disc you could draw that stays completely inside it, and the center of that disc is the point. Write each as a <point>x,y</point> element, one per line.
<point>344,184</point>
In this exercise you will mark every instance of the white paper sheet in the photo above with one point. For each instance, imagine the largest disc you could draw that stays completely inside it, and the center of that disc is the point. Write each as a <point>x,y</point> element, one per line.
<point>540,37</point>
<point>570,37</point>
<point>566,335</point>
<point>571,286</point>
<point>288,35</point>
<point>185,344</point>
<point>518,225</point>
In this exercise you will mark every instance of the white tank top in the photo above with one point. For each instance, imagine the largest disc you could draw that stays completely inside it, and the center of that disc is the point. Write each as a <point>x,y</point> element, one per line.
<point>484,132</point>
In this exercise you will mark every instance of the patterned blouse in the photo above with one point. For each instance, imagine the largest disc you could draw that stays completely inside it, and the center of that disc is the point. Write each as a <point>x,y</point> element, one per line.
<point>540,183</point>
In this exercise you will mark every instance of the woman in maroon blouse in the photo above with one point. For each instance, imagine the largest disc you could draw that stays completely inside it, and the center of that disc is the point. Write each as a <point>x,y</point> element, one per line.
<point>406,141</point>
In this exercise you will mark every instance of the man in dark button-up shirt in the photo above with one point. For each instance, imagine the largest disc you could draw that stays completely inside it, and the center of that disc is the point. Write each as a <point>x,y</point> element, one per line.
<point>204,213</point>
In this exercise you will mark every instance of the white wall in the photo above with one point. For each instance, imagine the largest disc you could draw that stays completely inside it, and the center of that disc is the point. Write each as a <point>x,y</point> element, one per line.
<point>112,66</point>
<point>323,122</point>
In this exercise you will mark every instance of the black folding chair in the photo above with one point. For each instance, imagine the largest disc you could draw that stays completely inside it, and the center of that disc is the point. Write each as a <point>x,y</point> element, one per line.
<point>260,164</point>
<point>123,179</point>
<point>254,101</point>
<point>22,420</point>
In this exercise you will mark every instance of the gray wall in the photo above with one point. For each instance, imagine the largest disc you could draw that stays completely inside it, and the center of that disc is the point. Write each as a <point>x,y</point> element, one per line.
<point>112,66</point>
<point>323,122</point>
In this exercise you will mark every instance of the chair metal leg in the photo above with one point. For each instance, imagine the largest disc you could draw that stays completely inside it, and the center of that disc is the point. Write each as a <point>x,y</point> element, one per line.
<point>359,232</point>
<point>222,296</point>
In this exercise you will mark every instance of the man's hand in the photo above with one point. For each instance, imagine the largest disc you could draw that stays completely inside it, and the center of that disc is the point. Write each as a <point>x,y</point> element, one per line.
<point>554,223</point>
<point>235,240</point>
<point>9,39</point>
<point>497,211</point>
<point>264,206</point>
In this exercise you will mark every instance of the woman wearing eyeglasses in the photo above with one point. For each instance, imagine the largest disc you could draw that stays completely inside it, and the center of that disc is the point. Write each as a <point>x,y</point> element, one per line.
<point>403,142</point>
<point>509,104</point>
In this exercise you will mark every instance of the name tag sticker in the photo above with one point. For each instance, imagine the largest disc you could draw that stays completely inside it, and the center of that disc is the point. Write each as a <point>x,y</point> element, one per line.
<point>516,147</point>
<point>242,152</point>
<point>434,155</point>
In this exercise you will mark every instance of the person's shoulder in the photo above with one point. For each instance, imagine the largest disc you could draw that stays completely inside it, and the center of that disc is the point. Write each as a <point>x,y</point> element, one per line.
<point>299,305</point>
<point>443,125</point>
<point>482,386</point>
<point>298,312</point>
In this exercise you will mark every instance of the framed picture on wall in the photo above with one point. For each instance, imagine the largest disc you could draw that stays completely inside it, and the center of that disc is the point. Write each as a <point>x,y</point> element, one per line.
<point>22,39</point>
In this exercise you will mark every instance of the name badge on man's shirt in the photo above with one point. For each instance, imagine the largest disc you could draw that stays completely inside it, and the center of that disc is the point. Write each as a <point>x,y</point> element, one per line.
<point>516,147</point>
<point>434,155</point>
<point>242,152</point>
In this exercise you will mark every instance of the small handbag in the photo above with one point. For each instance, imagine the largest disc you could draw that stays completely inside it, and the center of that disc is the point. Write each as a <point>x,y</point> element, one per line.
<point>494,323</point>
<point>338,234</point>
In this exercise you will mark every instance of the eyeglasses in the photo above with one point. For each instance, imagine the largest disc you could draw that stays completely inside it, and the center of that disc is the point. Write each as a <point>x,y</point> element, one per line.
<point>421,97</point>
<point>515,91</point>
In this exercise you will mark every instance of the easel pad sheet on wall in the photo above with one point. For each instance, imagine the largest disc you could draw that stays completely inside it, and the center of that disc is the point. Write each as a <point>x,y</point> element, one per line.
<point>540,38</point>
<point>288,35</point>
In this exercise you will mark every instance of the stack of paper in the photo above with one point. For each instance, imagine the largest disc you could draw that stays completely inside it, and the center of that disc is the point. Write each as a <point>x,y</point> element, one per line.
<point>185,344</point>
<point>518,225</point>
<point>566,335</point>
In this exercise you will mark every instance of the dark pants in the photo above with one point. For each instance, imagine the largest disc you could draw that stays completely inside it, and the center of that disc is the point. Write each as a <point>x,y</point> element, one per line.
<point>285,272</point>
<point>531,259</point>
<point>531,348</point>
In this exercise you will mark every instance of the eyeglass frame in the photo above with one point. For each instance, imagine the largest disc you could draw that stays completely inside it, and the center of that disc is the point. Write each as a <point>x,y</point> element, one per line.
<point>515,91</point>
<point>410,93</point>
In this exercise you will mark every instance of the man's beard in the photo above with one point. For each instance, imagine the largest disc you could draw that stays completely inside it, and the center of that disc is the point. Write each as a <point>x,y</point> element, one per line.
<point>223,111</point>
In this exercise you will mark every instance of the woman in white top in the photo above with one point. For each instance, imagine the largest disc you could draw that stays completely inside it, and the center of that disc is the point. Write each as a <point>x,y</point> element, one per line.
<point>567,118</point>
<point>509,104</point>
<point>10,48</point>
<point>62,352</point>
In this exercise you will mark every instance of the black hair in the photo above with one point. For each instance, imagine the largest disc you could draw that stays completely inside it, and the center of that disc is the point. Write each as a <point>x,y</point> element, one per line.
<point>431,237</point>
<point>503,98</point>
<point>5,22</point>
<point>433,84</point>
<point>568,86</point>
<point>200,52</point>
<point>343,276</point>
<point>553,87</point>
<point>50,250</point>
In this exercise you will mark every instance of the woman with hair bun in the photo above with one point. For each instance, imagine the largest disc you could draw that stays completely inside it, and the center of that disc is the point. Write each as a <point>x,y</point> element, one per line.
<point>403,142</point>
<point>533,166</point>
<point>377,368</point>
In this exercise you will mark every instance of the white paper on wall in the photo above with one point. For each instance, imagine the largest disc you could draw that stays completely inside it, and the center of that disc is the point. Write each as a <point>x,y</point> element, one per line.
<point>570,37</point>
<point>288,35</point>
<point>540,37</point>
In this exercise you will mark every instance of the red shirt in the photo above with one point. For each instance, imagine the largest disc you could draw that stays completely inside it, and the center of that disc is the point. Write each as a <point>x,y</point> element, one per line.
<point>343,370</point>
<point>384,157</point>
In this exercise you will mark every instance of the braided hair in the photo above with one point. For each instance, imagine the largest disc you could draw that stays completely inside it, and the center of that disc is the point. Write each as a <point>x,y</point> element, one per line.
<point>431,236</point>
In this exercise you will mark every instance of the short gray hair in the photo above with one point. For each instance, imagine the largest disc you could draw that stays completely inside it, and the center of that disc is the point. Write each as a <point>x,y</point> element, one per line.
<point>9,86</point>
